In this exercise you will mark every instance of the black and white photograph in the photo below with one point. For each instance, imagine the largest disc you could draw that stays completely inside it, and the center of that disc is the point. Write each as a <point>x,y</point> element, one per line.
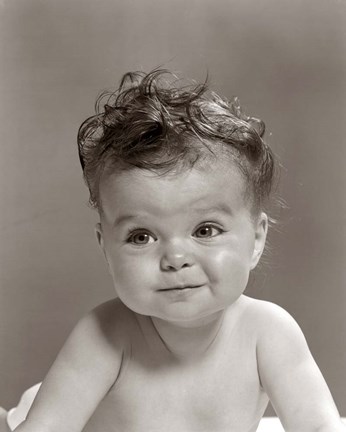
<point>173,216</point>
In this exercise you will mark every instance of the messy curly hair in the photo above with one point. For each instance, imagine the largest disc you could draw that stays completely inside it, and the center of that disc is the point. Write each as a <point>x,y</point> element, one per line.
<point>155,122</point>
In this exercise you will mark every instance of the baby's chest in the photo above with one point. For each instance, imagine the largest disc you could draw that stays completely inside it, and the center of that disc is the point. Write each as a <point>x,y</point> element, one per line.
<point>218,394</point>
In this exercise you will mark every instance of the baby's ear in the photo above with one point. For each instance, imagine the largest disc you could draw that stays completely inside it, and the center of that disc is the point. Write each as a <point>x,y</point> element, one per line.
<point>261,229</point>
<point>99,237</point>
<point>100,241</point>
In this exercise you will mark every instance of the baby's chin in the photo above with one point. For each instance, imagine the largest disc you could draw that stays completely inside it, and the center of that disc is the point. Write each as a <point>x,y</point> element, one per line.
<point>189,309</point>
<point>188,319</point>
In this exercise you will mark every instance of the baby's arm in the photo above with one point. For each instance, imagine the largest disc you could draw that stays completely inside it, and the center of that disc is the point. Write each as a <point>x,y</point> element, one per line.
<point>290,376</point>
<point>82,374</point>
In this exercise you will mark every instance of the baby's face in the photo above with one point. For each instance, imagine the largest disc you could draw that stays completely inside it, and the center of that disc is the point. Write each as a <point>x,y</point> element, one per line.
<point>179,247</point>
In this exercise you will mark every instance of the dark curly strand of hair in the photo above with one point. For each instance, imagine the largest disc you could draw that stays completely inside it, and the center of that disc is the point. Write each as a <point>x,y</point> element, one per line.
<point>155,123</point>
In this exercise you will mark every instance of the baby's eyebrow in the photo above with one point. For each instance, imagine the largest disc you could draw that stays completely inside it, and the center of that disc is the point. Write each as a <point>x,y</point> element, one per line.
<point>223,208</point>
<point>125,218</point>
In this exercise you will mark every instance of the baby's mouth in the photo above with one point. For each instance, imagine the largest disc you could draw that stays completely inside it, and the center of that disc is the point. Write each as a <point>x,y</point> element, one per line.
<point>180,288</point>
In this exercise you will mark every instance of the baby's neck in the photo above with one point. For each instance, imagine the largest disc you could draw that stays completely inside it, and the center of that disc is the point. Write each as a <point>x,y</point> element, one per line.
<point>189,340</point>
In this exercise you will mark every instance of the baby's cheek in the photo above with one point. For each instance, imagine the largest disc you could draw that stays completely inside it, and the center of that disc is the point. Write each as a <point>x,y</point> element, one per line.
<point>226,267</point>
<point>129,270</point>
<point>135,275</point>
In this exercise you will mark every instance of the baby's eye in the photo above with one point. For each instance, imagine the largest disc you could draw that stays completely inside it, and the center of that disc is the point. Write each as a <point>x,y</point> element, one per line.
<point>207,231</point>
<point>141,238</point>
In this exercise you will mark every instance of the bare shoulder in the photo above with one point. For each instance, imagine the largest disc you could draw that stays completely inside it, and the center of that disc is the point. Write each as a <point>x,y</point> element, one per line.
<point>109,314</point>
<point>96,340</point>
<point>269,318</point>
<point>279,338</point>
<point>287,371</point>
<point>85,369</point>
<point>107,324</point>
<point>281,344</point>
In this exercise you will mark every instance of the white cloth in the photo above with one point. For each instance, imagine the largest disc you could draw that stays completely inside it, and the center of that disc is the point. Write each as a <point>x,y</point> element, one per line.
<point>18,414</point>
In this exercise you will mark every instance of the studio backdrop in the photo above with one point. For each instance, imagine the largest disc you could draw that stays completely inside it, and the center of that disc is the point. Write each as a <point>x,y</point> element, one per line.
<point>284,59</point>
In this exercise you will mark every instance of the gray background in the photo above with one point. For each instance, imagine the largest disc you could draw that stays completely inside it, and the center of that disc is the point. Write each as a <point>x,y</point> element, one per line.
<point>285,59</point>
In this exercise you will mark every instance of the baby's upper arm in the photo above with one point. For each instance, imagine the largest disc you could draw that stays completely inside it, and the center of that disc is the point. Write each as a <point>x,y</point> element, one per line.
<point>289,374</point>
<point>85,369</point>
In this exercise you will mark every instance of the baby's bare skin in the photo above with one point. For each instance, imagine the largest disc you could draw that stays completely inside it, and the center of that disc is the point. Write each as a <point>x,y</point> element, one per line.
<point>127,380</point>
<point>156,390</point>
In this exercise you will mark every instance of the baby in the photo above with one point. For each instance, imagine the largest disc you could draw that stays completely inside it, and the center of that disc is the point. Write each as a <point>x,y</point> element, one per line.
<point>180,178</point>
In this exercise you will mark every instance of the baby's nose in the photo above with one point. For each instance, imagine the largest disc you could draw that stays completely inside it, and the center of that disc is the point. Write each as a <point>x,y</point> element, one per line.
<point>176,257</point>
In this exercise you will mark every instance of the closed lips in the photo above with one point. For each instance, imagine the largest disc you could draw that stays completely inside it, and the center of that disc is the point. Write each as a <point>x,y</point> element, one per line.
<point>181,287</point>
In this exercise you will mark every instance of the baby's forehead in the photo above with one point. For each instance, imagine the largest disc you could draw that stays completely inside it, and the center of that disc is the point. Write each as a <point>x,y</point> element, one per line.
<point>198,188</point>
